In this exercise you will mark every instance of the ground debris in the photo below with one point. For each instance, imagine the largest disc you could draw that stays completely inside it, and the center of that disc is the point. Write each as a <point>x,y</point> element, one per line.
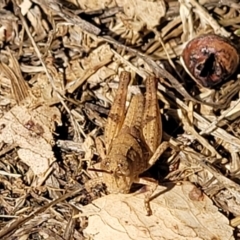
<point>60,64</point>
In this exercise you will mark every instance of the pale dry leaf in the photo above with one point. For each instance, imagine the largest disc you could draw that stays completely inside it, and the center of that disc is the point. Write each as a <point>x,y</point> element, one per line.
<point>75,39</point>
<point>25,6</point>
<point>207,95</point>
<point>96,4</point>
<point>98,55</point>
<point>4,101</point>
<point>175,216</point>
<point>8,28</point>
<point>88,148</point>
<point>205,16</point>
<point>234,113</point>
<point>35,161</point>
<point>35,18</point>
<point>31,130</point>
<point>150,12</point>
<point>128,29</point>
<point>80,72</point>
<point>42,90</point>
<point>186,15</point>
<point>102,74</point>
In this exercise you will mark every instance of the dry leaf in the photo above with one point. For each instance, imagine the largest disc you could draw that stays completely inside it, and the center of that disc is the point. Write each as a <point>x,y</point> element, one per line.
<point>175,216</point>
<point>43,92</point>
<point>95,4</point>
<point>82,71</point>
<point>25,6</point>
<point>34,16</point>
<point>150,12</point>
<point>31,130</point>
<point>88,147</point>
<point>8,28</point>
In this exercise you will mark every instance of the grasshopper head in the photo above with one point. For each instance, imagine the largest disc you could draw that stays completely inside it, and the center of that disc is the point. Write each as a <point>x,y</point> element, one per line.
<point>117,174</point>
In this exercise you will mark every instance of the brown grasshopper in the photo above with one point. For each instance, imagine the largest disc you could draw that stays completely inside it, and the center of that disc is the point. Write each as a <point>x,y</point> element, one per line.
<point>132,138</point>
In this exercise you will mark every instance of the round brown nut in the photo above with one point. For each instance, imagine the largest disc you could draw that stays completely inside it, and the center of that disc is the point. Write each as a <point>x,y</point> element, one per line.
<point>210,59</point>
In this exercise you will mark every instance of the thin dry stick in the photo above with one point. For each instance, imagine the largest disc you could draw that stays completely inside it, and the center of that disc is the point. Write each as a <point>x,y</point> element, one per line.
<point>158,35</point>
<point>137,70</point>
<point>189,128</point>
<point>214,124</point>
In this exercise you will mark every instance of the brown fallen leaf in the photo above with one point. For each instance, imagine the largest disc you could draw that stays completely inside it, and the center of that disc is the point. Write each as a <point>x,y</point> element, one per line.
<point>31,130</point>
<point>175,216</point>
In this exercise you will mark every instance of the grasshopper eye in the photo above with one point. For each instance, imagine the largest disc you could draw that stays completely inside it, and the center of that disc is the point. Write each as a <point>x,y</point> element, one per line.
<point>120,165</point>
<point>123,169</point>
<point>105,164</point>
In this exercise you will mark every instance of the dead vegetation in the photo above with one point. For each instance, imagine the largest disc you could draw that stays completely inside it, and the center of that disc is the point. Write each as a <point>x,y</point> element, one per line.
<point>60,64</point>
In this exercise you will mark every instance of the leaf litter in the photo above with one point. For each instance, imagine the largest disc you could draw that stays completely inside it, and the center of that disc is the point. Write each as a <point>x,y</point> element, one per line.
<point>60,63</point>
<point>172,209</point>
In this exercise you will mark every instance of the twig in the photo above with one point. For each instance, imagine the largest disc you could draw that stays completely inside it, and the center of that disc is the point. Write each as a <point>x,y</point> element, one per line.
<point>214,124</point>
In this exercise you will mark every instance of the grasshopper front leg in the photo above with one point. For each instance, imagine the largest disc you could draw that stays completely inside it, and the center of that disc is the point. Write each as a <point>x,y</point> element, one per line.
<point>151,184</point>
